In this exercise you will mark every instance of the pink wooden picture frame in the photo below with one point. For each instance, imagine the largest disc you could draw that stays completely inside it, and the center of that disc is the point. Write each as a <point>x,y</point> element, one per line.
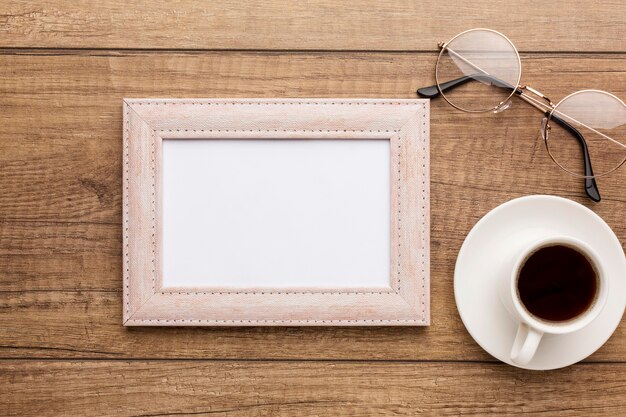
<point>148,122</point>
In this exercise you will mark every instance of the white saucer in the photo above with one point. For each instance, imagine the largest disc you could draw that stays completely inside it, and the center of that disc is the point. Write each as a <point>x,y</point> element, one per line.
<point>488,253</point>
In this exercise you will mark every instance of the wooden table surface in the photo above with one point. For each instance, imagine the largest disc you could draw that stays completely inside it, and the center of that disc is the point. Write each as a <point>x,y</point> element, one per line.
<point>64,69</point>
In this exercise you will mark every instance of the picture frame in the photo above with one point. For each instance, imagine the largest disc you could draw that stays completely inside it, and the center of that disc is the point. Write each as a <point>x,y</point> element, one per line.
<point>147,123</point>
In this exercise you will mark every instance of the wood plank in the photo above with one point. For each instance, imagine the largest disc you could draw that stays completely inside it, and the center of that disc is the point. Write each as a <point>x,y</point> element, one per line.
<point>53,256</point>
<point>61,118</point>
<point>141,388</point>
<point>60,210</point>
<point>393,25</point>
<point>88,324</point>
<point>84,319</point>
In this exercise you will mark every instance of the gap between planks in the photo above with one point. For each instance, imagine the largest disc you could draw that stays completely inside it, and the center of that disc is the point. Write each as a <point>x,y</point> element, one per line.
<point>43,51</point>
<point>291,360</point>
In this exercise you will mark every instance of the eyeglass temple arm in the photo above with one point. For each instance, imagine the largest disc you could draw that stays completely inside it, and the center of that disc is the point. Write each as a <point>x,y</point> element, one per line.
<point>591,187</point>
<point>547,108</point>
<point>433,91</point>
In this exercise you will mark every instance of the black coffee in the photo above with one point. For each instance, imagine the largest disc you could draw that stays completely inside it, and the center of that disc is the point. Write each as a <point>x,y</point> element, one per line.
<point>557,283</point>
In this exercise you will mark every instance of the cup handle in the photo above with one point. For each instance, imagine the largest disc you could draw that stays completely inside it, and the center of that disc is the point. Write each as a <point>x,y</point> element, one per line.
<point>525,344</point>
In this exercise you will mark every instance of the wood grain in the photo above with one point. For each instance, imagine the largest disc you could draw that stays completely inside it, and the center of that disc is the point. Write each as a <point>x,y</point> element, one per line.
<point>167,388</point>
<point>390,25</point>
<point>60,212</point>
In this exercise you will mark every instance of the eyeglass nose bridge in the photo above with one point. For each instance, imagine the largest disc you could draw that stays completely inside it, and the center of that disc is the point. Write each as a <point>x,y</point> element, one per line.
<point>545,128</point>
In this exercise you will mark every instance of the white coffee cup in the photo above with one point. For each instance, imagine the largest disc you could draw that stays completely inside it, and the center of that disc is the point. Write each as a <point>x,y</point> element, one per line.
<point>532,328</point>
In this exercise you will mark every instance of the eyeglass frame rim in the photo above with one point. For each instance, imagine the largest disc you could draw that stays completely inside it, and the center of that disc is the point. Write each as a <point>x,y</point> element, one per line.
<point>444,45</point>
<point>545,129</point>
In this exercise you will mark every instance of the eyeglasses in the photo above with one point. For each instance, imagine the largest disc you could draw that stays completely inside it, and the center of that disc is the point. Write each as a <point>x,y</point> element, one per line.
<point>479,70</point>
